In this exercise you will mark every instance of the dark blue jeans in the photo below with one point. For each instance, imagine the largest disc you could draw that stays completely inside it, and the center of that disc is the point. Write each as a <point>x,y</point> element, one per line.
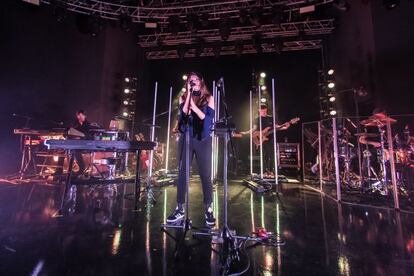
<point>201,149</point>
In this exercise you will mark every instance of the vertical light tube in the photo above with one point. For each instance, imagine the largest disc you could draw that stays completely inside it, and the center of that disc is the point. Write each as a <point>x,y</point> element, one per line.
<point>274,133</point>
<point>303,153</point>
<point>152,134</point>
<point>336,155</point>
<point>251,133</point>
<point>217,139</point>
<point>213,146</point>
<point>168,133</point>
<point>393,175</point>
<point>320,156</point>
<point>260,134</point>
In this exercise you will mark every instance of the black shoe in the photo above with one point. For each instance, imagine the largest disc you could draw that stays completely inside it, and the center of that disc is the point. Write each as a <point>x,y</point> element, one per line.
<point>210,219</point>
<point>175,216</point>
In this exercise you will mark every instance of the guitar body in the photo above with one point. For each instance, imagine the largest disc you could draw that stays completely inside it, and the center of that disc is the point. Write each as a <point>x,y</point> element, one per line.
<point>265,136</point>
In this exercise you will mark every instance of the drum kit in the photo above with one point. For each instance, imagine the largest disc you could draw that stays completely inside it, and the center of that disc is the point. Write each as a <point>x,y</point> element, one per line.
<point>375,168</point>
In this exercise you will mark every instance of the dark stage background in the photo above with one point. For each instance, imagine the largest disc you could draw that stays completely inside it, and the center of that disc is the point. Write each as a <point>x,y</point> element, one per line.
<point>50,69</point>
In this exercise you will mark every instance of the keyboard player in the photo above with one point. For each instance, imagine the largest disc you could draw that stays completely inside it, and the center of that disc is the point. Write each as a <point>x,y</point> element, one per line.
<point>83,125</point>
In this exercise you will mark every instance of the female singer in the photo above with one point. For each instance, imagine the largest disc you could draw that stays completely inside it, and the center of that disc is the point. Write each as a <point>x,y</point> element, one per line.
<point>196,109</point>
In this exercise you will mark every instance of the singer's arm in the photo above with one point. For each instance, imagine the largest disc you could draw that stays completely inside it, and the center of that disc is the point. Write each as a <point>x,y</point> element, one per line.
<point>187,102</point>
<point>198,111</point>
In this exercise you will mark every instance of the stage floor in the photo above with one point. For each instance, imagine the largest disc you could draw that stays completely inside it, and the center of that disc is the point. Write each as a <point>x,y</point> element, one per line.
<point>104,236</point>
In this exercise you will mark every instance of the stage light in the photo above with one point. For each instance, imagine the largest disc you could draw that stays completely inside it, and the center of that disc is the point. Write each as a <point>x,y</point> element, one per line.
<point>238,48</point>
<point>277,15</point>
<point>185,77</point>
<point>331,85</point>
<point>55,158</point>
<point>125,114</point>
<point>264,87</point>
<point>263,100</point>
<point>95,26</point>
<point>257,42</point>
<point>127,91</point>
<point>181,51</point>
<point>332,99</point>
<point>126,102</point>
<point>174,24</point>
<point>192,22</point>
<point>332,112</point>
<point>127,79</point>
<point>263,75</point>
<point>255,16</point>
<point>391,4</point>
<point>125,22</point>
<point>183,89</point>
<point>224,28</point>
<point>331,72</point>
<point>243,16</point>
<point>342,5</point>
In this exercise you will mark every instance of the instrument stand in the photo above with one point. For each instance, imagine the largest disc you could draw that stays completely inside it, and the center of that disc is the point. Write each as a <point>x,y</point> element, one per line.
<point>27,159</point>
<point>68,199</point>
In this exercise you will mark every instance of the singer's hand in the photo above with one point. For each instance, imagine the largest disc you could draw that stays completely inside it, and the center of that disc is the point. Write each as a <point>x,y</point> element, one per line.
<point>192,103</point>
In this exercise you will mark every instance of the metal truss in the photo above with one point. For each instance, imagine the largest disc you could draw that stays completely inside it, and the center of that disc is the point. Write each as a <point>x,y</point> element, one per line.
<point>234,50</point>
<point>159,12</point>
<point>314,27</point>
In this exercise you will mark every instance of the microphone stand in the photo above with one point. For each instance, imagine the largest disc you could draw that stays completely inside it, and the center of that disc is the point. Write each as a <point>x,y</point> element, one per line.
<point>231,243</point>
<point>187,225</point>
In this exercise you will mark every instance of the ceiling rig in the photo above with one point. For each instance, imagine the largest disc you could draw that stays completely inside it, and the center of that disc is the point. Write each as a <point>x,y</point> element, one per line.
<point>197,28</point>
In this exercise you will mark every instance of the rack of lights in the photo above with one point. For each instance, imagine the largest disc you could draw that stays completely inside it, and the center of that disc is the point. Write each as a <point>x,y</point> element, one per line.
<point>159,12</point>
<point>128,107</point>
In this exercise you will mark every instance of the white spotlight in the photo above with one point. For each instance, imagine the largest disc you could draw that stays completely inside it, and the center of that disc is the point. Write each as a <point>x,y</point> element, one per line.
<point>332,112</point>
<point>126,102</point>
<point>332,99</point>
<point>125,114</point>
<point>331,72</point>
<point>127,80</point>
<point>126,91</point>
<point>331,85</point>
<point>263,75</point>
<point>264,87</point>
<point>185,77</point>
<point>263,100</point>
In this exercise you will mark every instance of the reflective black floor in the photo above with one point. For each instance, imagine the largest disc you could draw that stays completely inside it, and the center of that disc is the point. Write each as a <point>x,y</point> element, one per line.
<point>104,236</point>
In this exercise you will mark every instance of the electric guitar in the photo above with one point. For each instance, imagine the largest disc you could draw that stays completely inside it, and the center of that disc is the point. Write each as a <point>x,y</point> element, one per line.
<point>266,132</point>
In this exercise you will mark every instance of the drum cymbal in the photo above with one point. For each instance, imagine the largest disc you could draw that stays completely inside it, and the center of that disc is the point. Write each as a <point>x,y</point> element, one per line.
<point>378,121</point>
<point>366,134</point>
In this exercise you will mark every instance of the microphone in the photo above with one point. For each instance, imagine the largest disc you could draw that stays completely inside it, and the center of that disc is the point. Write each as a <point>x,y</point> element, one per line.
<point>192,83</point>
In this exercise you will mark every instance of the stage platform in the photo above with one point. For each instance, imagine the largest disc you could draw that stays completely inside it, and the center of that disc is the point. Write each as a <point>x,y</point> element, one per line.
<point>105,237</point>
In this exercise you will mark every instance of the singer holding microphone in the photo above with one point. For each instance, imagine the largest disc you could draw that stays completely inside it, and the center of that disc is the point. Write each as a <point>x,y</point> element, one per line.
<point>196,107</point>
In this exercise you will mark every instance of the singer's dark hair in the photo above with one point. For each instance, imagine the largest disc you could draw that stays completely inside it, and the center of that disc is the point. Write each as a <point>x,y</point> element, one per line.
<point>80,111</point>
<point>205,93</point>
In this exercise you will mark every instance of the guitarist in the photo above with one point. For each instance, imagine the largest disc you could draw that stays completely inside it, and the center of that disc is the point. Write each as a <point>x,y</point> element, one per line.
<point>267,121</point>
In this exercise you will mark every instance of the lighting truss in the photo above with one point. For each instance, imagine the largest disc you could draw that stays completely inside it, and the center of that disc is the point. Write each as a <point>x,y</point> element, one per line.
<point>159,12</point>
<point>315,27</point>
<point>210,51</point>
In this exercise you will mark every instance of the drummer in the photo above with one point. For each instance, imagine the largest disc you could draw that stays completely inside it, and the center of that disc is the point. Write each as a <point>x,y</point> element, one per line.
<point>378,114</point>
